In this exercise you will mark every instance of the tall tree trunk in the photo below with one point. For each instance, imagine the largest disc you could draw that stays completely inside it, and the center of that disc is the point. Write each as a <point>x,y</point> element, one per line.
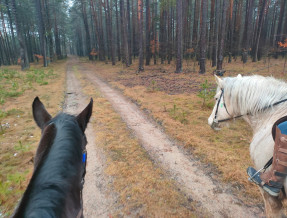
<point>154,31</point>
<point>212,27</point>
<point>42,31</point>
<point>57,39</point>
<point>108,36</point>
<point>163,34</point>
<point>124,34</point>
<point>12,30</point>
<point>229,37</point>
<point>236,35</point>
<point>215,34</point>
<point>5,39</point>
<point>264,7</point>
<point>140,24</point>
<point>280,22</point>
<point>96,26</point>
<point>49,31</point>
<point>129,34</point>
<point>179,36</point>
<point>86,25</point>
<point>203,36</point>
<point>273,25</point>
<point>222,37</point>
<point>247,30</point>
<point>148,30</point>
<point>102,51</point>
<point>118,31</point>
<point>169,34</point>
<point>23,49</point>
<point>135,28</point>
<point>195,26</point>
<point>110,26</point>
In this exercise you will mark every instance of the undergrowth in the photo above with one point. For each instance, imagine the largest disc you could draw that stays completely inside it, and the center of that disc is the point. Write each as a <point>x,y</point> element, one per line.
<point>13,83</point>
<point>18,135</point>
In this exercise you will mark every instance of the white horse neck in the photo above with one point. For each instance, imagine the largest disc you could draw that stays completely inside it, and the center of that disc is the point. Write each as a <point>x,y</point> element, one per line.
<point>251,94</point>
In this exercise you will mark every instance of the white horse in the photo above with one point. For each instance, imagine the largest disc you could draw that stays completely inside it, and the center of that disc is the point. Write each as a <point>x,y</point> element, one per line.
<point>260,102</point>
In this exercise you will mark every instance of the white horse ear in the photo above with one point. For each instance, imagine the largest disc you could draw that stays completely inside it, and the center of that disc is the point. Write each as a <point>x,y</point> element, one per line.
<point>219,81</point>
<point>239,76</point>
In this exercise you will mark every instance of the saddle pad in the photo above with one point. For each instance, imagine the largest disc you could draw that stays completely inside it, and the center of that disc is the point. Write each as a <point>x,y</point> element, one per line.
<point>283,127</point>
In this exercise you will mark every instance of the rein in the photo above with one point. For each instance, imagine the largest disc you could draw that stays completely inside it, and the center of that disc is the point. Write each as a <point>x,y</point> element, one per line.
<point>231,118</point>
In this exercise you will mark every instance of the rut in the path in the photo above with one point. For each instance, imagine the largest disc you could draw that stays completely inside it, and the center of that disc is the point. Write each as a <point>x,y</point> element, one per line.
<point>190,178</point>
<point>96,201</point>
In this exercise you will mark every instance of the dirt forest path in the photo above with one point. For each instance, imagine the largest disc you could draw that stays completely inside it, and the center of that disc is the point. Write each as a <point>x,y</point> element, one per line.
<point>96,202</point>
<point>188,173</point>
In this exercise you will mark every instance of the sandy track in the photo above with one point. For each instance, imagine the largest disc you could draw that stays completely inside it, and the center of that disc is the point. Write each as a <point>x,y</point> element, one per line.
<point>214,197</point>
<point>97,203</point>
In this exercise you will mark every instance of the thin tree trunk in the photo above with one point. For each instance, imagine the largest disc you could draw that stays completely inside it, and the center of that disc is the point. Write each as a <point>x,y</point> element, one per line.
<point>215,34</point>
<point>203,36</point>
<point>179,36</point>
<point>148,24</point>
<point>49,31</point>
<point>212,27</point>
<point>23,49</point>
<point>42,31</point>
<point>140,24</point>
<point>264,7</point>
<point>124,34</point>
<point>273,25</point>
<point>247,30</point>
<point>280,22</point>
<point>12,31</point>
<point>118,31</point>
<point>195,26</point>
<point>96,26</point>
<point>86,25</point>
<point>129,32</point>
<point>102,51</point>
<point>111,33</point>
<point>57,39</point>
<point>222,37</point>
<point>154,31</point>
<point>169,34</point>
<point>107,29</point>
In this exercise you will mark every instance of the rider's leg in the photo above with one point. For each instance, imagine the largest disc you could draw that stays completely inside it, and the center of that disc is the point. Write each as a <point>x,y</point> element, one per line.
<point>272,181</point>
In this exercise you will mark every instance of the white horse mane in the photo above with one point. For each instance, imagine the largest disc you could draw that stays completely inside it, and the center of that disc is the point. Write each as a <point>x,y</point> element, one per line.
<point>251,94</point>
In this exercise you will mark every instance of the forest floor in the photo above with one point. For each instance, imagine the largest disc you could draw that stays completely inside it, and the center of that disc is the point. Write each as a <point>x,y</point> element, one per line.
<point>150,150</point>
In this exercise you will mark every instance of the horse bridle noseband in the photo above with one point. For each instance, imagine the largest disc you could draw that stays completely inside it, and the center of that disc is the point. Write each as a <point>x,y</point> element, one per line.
<point>215,121</point>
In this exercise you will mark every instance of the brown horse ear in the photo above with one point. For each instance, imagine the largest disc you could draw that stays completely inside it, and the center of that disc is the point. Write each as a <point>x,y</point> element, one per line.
<point>84,117</point>
<point>40,114</point>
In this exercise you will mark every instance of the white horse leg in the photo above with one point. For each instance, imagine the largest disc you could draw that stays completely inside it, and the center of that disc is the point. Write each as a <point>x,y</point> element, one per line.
<point>273,205</point>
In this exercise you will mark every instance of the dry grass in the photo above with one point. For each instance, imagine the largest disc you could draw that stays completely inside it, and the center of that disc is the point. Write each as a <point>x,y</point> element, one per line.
<point>184,118</point>
<point>20,135</point>
<point>143,188</point>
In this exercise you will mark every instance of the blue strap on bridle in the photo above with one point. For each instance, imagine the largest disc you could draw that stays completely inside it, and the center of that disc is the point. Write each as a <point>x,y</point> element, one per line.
<point>84,157</point>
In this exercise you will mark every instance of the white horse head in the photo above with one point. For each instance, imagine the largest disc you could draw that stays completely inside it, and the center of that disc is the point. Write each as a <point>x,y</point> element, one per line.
<point>261,102</point>
<point>220,111</point>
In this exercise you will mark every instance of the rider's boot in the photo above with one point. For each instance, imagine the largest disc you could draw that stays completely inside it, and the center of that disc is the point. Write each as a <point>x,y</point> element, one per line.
<point>272,181</point>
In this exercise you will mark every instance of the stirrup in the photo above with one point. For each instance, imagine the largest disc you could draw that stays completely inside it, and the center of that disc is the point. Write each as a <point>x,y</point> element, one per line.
<point>250,179</point>
<point>254,176</point>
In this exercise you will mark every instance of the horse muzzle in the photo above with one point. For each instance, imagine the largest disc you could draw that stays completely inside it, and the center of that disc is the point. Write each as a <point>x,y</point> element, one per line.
<point>215,125</point>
